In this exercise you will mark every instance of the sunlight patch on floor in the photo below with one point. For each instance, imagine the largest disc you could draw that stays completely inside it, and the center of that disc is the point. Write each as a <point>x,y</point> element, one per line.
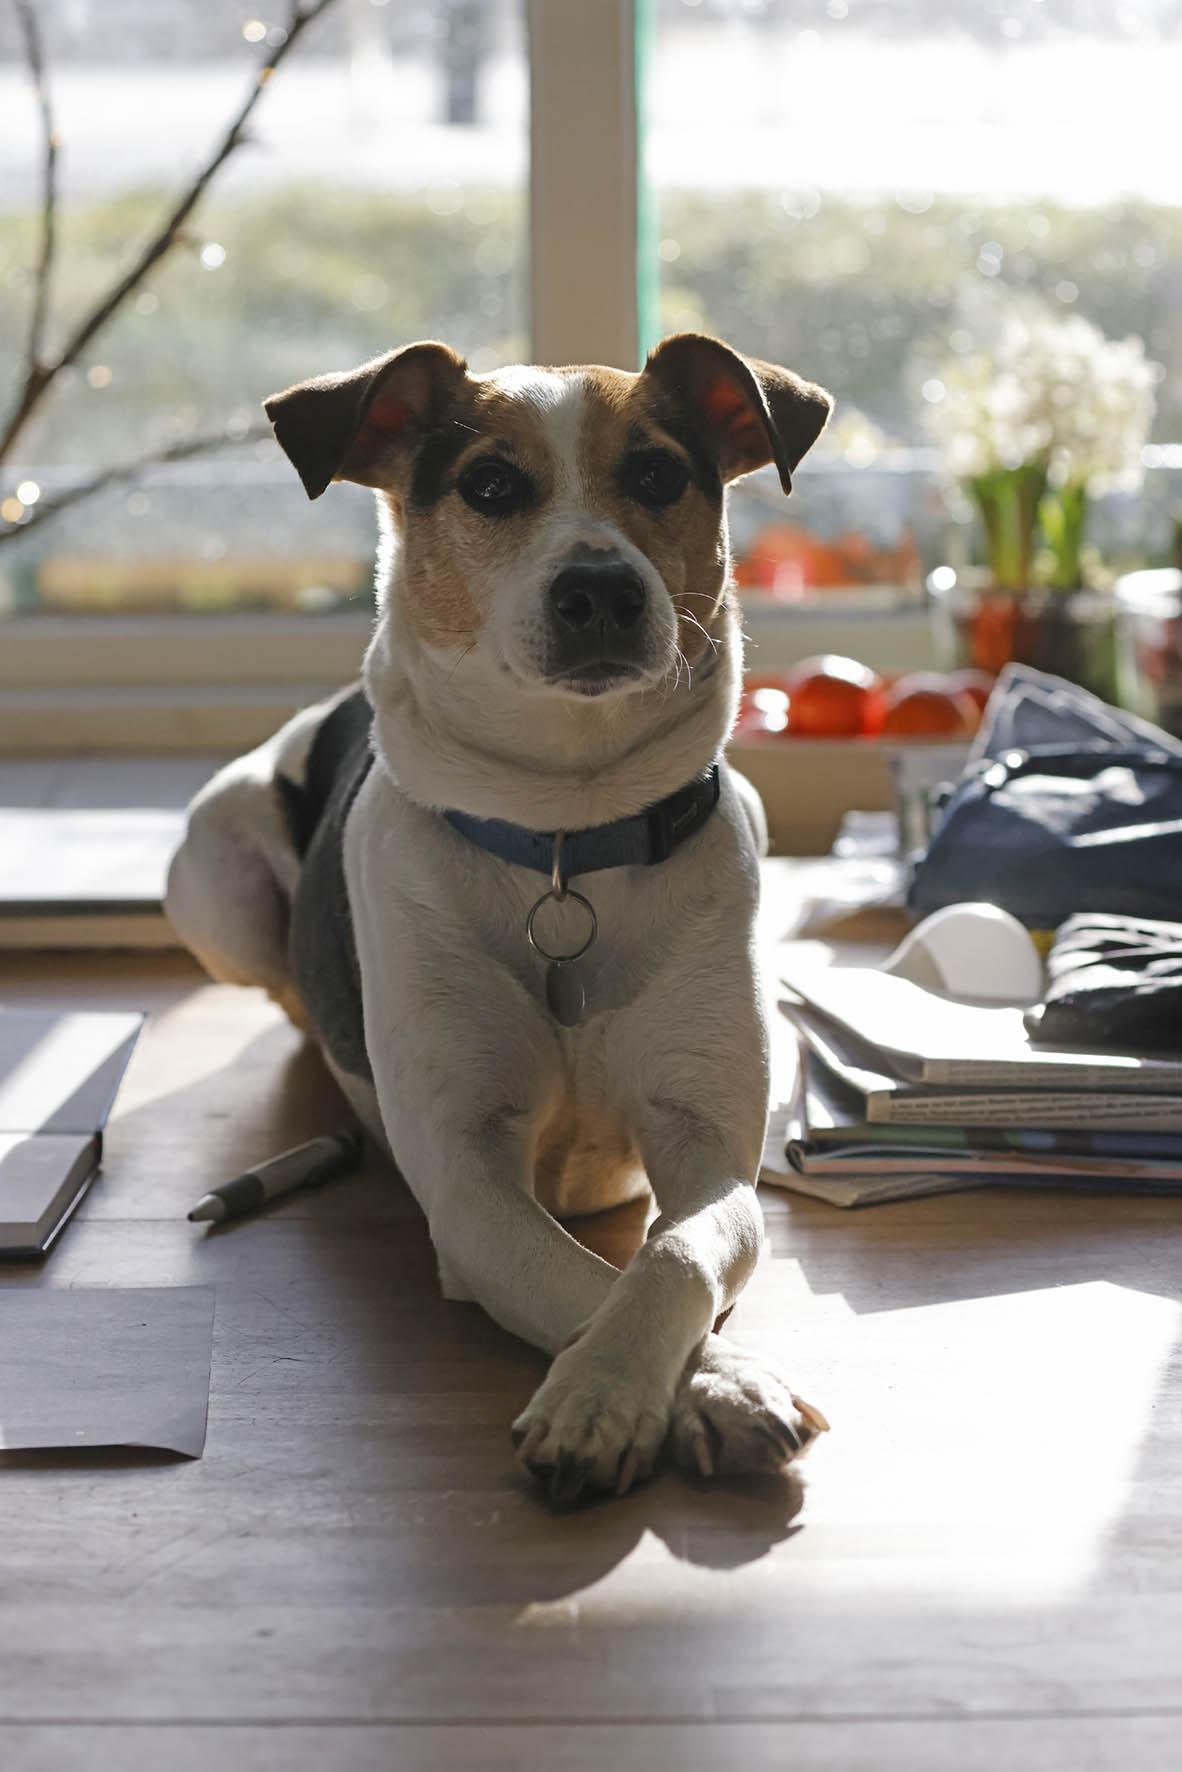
<point>982,1451</point>
<point>247,1015</point>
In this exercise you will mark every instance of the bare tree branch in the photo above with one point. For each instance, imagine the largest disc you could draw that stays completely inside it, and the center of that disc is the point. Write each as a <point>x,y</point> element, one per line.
<point>35,57</point>
<point>204,443</point>
<point>40,376</point>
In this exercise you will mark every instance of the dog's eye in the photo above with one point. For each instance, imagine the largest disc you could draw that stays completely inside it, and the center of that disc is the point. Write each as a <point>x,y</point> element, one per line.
<point>654,477</point>
<point>495,488</point>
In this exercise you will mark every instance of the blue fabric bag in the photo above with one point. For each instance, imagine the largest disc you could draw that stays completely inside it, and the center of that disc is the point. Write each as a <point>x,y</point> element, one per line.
<point>1066,805</point>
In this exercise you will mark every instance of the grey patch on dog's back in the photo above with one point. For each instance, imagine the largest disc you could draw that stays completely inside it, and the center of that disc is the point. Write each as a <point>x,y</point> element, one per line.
<point>322,952</point>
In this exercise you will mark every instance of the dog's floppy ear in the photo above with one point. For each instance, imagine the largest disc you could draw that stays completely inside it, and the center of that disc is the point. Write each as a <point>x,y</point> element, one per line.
<point>351,426</point>
<point>751,413</point>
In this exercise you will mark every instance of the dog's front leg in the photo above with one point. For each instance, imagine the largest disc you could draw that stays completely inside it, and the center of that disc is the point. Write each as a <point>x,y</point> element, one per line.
<point>632,1358</point>
<point>732,1414</point>
<point>700,1110</point>
<point>603,1423</point>
<point>697,1113</point>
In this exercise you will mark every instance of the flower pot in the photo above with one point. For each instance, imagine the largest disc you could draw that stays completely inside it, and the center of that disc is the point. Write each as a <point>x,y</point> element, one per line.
<point>1069,633</point>
<point>1149,645</point>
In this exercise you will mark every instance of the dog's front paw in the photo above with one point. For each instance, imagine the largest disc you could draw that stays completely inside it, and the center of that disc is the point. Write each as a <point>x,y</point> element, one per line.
<point>593,1425</point>
<point>734,1416</point>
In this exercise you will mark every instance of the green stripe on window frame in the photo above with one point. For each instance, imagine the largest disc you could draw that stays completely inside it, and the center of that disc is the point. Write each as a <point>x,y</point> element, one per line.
<point>648,285</point>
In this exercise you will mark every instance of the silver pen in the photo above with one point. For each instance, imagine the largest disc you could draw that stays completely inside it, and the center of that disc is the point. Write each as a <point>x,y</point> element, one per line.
<point>307,1165</point>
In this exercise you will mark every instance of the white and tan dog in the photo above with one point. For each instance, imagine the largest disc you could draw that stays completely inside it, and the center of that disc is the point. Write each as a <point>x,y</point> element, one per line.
<point>556,651</point>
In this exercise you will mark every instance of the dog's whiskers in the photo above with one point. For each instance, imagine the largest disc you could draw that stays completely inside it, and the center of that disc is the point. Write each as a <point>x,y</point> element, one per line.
<point>709,637</point>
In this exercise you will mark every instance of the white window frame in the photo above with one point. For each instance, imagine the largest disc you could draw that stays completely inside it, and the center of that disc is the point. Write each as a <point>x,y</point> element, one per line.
<point>176,682</point>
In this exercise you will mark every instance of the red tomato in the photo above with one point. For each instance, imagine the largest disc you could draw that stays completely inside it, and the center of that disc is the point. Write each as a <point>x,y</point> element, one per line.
<point>925,705</point>
<point>834,697</point>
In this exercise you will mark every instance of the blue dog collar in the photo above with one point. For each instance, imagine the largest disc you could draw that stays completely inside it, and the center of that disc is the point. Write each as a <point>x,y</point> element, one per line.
<point>640,841</point>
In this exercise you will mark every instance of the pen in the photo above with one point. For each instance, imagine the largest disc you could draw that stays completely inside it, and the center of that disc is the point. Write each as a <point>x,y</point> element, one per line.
<point>305,1166</point>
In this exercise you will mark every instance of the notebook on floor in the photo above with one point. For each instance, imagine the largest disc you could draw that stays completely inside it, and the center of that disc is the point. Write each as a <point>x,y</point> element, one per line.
<point>59,1073</point>
<point>83,877</point>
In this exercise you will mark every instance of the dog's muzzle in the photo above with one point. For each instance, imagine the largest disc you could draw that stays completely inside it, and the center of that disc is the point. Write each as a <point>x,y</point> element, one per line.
<point>598,608</point>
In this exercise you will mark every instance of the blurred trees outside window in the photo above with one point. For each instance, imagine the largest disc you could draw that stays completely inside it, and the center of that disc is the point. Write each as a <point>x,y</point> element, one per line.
<point>379,198</point>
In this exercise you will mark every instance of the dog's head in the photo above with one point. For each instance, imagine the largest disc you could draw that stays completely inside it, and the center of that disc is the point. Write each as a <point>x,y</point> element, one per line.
<point>565,526</point>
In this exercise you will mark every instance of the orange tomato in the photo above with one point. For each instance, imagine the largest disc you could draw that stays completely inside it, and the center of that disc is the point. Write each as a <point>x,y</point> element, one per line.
<point>834,697</point>
<point>926,705</point>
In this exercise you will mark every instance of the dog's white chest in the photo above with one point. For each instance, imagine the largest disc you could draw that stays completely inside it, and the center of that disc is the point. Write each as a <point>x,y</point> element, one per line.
<point>442,926</point>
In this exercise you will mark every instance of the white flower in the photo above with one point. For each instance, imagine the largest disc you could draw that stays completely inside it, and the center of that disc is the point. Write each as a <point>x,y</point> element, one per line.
<point>1053,390</point>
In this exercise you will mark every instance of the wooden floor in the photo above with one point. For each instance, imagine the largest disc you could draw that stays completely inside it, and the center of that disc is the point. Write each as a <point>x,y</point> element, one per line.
<point>982,1570</point>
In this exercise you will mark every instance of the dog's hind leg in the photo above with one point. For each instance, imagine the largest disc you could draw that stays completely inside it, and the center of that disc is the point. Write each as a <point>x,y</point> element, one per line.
<point>230,882</point>
<point>223,898</point>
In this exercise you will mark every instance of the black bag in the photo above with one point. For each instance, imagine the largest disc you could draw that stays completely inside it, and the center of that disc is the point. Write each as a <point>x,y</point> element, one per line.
<point>1047,833</point>
<point>1115,984</point>
<point>1066,806</point>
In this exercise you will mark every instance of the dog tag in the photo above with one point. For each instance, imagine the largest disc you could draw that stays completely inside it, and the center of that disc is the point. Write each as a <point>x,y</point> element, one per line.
<point>564,993</point>
<point>565,996</point>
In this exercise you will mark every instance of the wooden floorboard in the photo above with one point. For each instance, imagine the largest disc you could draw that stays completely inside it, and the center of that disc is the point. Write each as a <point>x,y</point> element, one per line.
<point>1149,1744</point>
<point>982,1565</point>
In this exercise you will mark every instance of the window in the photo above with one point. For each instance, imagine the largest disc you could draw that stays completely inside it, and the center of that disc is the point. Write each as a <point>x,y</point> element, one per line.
<point>860,188</point>
<point>381,197</point>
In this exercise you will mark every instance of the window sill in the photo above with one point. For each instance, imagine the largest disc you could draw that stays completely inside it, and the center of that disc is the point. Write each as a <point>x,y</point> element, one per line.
<point>127,684</point>
<point>157,719</point>
<point>58,651</point>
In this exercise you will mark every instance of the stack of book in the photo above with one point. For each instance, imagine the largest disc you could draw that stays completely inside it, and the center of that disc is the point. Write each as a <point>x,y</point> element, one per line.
<point>901,1091</point>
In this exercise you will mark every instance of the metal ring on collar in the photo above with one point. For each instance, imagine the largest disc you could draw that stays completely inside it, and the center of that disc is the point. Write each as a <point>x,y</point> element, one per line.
<point>557,877</point>
<point>536,945</point>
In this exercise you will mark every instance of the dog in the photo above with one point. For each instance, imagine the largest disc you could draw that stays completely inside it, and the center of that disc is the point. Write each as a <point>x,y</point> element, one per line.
<point>510,886</point>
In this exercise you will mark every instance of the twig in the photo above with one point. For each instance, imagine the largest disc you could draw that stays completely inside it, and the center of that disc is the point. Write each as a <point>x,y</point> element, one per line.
<point>35,57</point>
<point>41,375</point>
<point>204,443</point>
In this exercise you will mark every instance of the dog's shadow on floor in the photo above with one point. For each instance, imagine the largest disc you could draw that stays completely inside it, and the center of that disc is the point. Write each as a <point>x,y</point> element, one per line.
<point>717,1525</point>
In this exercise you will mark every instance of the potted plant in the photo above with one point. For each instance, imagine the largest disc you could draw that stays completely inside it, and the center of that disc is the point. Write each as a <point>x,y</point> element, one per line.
<point>1034,429</point>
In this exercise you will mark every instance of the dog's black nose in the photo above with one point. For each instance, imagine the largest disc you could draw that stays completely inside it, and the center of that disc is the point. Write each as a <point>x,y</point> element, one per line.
<point>600,601</point>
